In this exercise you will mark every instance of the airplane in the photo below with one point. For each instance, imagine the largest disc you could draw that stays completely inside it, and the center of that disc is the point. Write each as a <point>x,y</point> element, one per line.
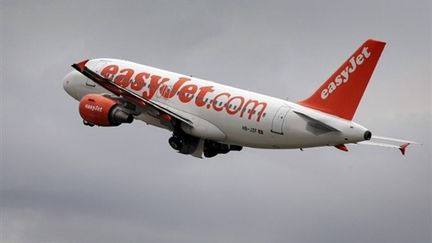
<point>208,118</point>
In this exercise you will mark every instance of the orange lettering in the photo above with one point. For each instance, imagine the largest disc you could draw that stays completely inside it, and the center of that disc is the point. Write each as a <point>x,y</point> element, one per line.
<point>216,101</point>
<point>230,101</point>
<point>174,89</point>
<point>138,82</point>
<point>187,92</point>
<point>199,101</point>
<point>124,79</point>
<point>109,71</point>
<point>253,109</point>
<point>155,83</point>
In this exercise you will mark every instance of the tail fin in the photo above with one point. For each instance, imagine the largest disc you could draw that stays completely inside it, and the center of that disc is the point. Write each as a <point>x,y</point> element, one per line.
<point>340,95</point>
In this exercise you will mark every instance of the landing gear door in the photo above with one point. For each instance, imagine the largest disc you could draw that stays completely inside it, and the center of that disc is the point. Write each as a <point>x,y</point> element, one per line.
<point>278,120</point>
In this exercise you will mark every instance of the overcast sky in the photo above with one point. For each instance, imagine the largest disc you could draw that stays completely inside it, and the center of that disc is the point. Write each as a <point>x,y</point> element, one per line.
<point>64,182</point>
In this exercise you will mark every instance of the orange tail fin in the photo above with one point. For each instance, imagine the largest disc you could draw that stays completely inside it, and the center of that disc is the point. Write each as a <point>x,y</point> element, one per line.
<point>340,95</point>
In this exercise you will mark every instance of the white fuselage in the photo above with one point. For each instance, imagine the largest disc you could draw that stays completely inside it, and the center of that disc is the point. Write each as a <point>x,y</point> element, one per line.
<point>219,112</point>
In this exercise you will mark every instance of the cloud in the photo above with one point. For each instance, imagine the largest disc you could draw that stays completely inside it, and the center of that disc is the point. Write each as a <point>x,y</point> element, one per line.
<point>63,182</point>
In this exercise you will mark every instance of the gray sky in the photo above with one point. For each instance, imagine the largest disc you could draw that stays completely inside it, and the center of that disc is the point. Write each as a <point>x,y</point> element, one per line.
<point>63,182</point>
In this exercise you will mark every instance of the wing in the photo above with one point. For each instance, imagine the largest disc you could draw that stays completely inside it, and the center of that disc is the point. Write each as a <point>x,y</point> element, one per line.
<point>389,143</point>
<point>165,111</point>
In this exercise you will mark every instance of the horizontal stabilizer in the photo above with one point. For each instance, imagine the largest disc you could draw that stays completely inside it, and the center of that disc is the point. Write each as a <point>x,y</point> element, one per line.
<point>389,143</point>
<point>396,140</point>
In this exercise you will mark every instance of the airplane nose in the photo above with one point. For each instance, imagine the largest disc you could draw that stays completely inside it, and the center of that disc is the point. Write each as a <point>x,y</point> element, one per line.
<point>67,84</point>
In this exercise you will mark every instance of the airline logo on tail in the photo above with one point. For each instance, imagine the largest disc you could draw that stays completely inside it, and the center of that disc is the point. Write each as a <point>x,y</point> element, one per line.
<point>343,77</point>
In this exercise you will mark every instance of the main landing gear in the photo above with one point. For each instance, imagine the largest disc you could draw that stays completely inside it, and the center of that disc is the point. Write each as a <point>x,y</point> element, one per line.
<point>212,148</point>
<point>187,144</point>
<point>183,143</point>
<point>175,142</point>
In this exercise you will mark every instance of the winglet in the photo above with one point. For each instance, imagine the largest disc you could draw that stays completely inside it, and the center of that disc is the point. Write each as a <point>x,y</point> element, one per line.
<point>342,147</point>
<point>403,147</point>
<point>80,66</point>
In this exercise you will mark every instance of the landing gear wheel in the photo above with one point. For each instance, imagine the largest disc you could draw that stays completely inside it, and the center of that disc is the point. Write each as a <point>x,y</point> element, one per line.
<point>209,153</point>
<point>175,143</point>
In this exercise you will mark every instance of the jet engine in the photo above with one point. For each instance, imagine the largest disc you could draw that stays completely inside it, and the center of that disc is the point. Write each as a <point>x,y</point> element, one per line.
<point>98,110</point>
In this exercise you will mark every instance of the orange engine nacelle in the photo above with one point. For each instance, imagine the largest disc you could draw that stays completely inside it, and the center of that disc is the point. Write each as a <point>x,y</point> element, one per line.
<point>102,111</point>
